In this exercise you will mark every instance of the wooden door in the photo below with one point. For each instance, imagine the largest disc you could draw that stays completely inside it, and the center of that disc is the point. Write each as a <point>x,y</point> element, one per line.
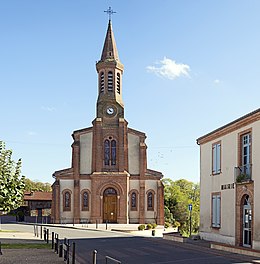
<point>110,209</point>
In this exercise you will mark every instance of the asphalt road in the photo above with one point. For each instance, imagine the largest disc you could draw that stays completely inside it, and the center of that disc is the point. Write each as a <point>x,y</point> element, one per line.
<point>132,249</point>
<point>153,251</point>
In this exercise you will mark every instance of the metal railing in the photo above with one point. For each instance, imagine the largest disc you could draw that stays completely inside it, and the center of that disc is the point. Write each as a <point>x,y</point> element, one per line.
<point>243,173</point>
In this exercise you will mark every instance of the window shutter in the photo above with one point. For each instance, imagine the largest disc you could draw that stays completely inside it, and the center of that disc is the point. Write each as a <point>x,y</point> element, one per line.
<point>218,158</point>
<point>214,203</point>
<point>214,169</point>
<point>218,211</point>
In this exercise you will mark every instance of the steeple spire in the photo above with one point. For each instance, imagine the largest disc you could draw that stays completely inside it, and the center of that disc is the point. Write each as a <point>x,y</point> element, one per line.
<point>109,52</point>
<point>110,104</point>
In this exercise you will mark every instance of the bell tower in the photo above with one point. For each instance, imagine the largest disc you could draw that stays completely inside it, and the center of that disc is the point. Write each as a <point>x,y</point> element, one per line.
<point>110,128</point>
<point>110,104</point>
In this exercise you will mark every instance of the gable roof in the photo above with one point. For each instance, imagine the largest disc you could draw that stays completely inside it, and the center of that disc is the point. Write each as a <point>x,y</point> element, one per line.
<point>37,196</point>
<point>230,127</point>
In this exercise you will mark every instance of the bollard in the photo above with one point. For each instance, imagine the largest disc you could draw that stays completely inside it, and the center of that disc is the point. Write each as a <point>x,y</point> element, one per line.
<point>41,232</point>
<point>96,224</point>
<point>73,253</point>
<point>68,252</point>
<point>153,232</point>
<point>56,243</point>
<point>52,240</point>
<point>94,257</point>
<point>1,248</point>
<point>65,249</point>
<point>44,233</point>
<point>60,250</point>
<point>47,236</point>
<point>106,224</point>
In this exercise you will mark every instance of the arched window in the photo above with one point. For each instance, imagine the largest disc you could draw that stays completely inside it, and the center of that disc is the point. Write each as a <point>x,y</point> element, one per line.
<point>110,81</point>
<point>150,201</point>
<point>113,152</point>
<point>110,191</point>
<point>109,152</point>
<point>133,201</point>
<point>102,82</point>
<point>118,83</point>
<point>66,201</point>
<point>85,201</point>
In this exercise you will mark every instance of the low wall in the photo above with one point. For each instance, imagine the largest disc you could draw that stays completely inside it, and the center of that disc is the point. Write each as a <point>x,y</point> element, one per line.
<point>175,237</point>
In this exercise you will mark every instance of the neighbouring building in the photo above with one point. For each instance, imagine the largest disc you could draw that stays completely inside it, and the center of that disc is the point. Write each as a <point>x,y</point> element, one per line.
<point>109,179</point>
<point>230,183</point>
<point>36,206</point>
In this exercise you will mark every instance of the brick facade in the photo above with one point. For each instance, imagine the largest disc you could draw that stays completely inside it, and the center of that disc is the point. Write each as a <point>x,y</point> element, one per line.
<point>117,166</point>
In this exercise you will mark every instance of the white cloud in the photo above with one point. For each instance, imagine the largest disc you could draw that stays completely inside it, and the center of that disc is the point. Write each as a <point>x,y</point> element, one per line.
<point>217,81</point>
<point>48,109</point>
<point>169,69</point>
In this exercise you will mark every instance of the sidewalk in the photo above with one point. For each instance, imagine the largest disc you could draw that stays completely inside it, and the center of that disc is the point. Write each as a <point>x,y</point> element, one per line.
<point>26,256</point>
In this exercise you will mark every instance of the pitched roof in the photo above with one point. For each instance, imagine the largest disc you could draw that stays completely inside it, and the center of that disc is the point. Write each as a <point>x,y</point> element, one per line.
<point>230,127</point>
<point>37,196</point>
<point>109,50</point>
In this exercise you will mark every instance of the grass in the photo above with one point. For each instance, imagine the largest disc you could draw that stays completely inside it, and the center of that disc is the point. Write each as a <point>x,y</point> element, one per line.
<point>26,246</point>
<point>9,231</point>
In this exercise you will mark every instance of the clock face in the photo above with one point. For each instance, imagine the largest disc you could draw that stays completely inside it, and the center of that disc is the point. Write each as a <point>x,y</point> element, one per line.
<point>110,110</point>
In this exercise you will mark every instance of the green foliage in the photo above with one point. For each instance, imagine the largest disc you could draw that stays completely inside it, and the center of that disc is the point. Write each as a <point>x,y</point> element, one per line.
<point>11,184</point>
<point>141,227</point>
<point>177,196</point>
<point>149,226</point>
<point>167,224</point>
<point>31,186</point>
<point>154,225</point>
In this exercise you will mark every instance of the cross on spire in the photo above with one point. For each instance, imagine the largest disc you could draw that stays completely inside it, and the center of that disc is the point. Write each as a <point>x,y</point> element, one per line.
<point>110,12</point>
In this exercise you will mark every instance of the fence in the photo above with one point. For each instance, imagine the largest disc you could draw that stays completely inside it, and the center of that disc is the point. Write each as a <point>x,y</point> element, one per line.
<point>63,247</point>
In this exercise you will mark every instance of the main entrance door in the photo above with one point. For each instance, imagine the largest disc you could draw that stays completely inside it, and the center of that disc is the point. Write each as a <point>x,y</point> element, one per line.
<point>247,223</point>
<point>110,205</point>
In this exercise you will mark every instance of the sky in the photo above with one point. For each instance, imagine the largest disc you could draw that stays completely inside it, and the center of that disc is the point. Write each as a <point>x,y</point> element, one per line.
<point>190,67</point>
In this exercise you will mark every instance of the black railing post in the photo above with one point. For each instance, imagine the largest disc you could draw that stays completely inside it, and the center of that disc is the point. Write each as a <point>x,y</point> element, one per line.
<point>73,253</point>
<point>44,233</point>
<point>52,240</point>
<point>56,243</point>
<point>65,249</point>
<point>60,250</point>
<point>47,236</point>
<point>106,224</point>
<point>96,224</point>
<point>68,252</point>
<point>41,232</point>
<point>1,248</point>
<point>94,257</point>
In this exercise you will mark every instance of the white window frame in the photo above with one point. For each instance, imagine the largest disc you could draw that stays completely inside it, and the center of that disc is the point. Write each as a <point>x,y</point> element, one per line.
<point>216,211</point>
<point>216,158</point>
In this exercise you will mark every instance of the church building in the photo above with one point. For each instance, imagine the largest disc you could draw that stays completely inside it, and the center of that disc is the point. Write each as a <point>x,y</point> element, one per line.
<point>108,179</point>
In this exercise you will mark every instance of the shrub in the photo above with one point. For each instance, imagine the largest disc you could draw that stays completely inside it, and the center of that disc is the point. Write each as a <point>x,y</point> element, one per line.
<point>141,227</point>
<point>154,225</point>
<point>176,224</point>
<point>149,226</point>
<point>167,224</point>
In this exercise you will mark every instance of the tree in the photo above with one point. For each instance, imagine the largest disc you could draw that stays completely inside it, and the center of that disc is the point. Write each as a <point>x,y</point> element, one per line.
<point>32,186</point>
<point>177,197</point>
<point>11,183</point>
